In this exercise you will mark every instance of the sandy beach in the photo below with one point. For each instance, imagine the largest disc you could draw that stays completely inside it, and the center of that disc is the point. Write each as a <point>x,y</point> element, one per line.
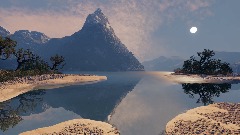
<point>169,76</point>
<point>219,118</point>
<point>77,126</point>
<point>19,86</point>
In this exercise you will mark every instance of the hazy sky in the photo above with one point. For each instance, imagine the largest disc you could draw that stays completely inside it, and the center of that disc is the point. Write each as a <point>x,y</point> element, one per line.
<point>149,28</point>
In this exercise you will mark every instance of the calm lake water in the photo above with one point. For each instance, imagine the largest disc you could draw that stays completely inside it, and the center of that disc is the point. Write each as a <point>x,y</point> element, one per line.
<point>139,103</point>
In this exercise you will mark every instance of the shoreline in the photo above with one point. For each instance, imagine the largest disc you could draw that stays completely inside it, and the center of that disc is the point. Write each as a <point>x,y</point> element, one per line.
<point>18,86</point>
<point>76,126</point>
<point>169,76</point>
<point>218,118</point>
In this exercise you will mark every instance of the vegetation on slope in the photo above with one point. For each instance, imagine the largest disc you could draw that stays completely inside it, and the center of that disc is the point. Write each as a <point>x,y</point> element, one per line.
<point>29,64</point>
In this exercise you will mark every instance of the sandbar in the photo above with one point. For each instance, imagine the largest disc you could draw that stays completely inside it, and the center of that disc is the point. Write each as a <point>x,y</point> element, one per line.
<point>22,85</point>
<point>171,77</point>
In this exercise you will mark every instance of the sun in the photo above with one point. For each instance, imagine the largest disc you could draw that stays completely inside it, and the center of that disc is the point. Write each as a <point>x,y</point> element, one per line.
<point>193,30</point>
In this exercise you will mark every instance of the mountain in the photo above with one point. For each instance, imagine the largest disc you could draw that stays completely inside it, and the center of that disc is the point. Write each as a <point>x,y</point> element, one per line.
<point>231,57</point>
<point>163,63</point>
<point>26,39</point>
<point>4,32</point>
<point>93,48</point>
<point>96,47</point>
<point>30,37</point>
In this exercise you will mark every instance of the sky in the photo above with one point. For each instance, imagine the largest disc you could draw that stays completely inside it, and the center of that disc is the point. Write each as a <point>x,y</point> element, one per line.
<point>149,28</point>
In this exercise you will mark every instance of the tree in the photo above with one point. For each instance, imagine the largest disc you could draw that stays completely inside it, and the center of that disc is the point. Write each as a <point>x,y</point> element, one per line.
<point>23,57</point>
<point>205,64</point>
<point>7,47</point>
<point>36,63</point>
<point>28,61</point>
<point>56,62</point>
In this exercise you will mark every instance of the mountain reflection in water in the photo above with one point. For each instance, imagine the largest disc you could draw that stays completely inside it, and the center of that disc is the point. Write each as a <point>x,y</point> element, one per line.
<point>91,101</point>
<point>10,114</point>
<point>139,103</point>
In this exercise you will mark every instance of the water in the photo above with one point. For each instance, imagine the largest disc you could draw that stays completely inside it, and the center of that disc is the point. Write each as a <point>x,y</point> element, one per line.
<point>139,103</point>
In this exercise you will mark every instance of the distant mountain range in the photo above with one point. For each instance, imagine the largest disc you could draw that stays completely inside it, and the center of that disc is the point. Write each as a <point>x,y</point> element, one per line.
<point>163,63</point>
<point>94,48</point>
<point>231,57</point>
<point>170,63</point>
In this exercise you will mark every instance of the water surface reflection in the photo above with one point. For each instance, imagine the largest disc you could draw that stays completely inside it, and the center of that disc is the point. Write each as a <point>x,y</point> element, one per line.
<point>10,112</point>
<point>206,91</point>
<point>154,102</point>
<point>139,103</point>
<point>44,108</point>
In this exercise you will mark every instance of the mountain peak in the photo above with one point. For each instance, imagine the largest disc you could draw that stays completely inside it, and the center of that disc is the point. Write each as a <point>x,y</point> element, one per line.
<point>4,32</point>
<point>98,11</point>
<point>33,36</point>
<point>97,18</point>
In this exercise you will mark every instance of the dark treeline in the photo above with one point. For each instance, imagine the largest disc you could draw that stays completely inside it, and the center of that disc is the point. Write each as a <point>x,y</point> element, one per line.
<point>28,63</point>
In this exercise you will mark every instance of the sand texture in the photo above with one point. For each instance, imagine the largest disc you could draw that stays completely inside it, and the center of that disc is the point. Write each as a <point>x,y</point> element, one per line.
<point>215,119</point>
<point>169,76</point>
<point>19,86</point>
<point>76,127</point>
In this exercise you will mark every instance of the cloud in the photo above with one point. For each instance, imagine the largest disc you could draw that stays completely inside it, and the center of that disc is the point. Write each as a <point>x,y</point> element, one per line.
<point>133,20</point>
<point>195,5</point>
<point>51,23</point>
